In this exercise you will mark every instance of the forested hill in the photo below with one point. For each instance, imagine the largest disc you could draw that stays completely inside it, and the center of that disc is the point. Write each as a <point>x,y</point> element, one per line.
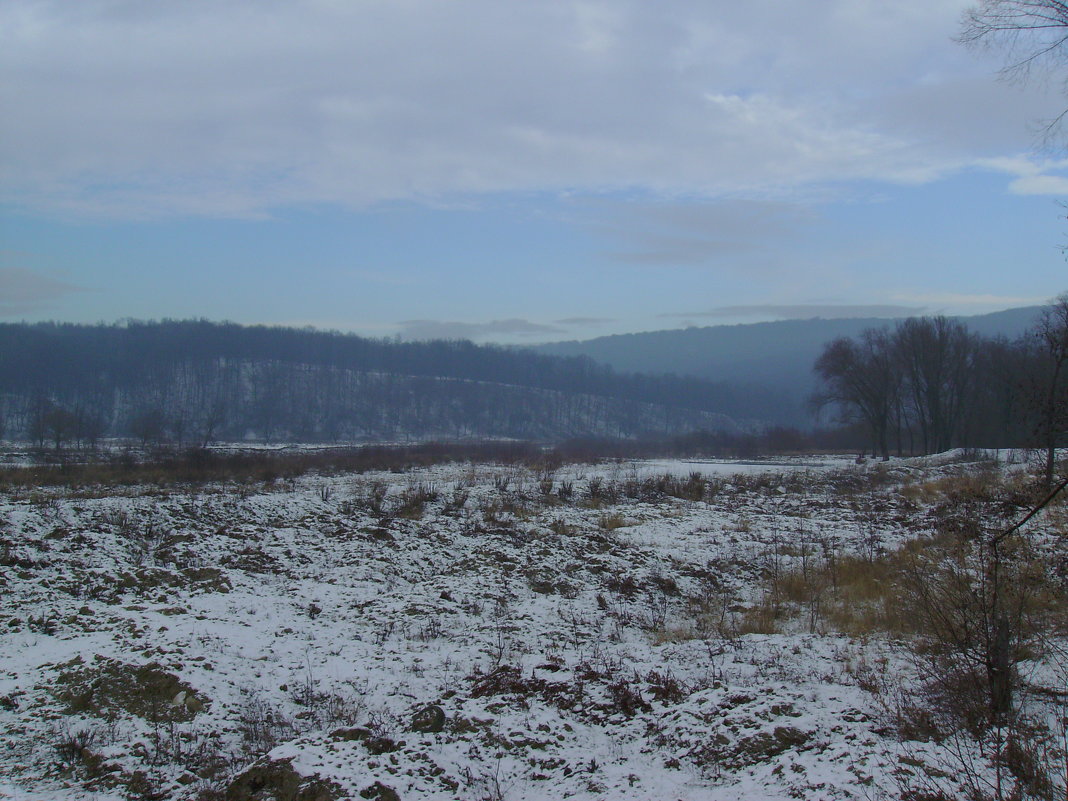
<point>190,381</point>
<point>774,358</point>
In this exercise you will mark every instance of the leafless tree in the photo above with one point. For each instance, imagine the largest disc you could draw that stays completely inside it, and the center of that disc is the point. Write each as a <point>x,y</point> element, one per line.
<point>59,424</point>
<point>860,376</point>
<point>1051,382</point>
<point>937,356</point>
<point>1033,34</point>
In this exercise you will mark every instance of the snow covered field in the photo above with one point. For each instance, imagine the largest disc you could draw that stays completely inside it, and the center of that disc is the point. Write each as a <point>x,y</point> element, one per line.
<point>458,632</point>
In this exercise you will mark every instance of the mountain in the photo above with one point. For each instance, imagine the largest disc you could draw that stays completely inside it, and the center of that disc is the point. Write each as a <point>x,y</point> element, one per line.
<point>774,358</point>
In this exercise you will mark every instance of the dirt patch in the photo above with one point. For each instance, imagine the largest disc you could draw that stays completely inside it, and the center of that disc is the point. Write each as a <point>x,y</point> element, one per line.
<point>105,687</point>
<point>277,780</point>
<point>207,579</point>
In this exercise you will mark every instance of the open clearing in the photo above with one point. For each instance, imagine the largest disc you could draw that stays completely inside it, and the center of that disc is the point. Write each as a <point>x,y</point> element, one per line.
<point>469,631</point>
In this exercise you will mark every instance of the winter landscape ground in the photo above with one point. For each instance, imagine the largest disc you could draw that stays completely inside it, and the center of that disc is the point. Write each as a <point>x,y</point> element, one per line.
<point>654,630</point>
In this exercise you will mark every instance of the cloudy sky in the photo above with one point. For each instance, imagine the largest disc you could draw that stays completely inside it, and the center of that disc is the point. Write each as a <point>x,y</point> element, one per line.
<point>517,170</point>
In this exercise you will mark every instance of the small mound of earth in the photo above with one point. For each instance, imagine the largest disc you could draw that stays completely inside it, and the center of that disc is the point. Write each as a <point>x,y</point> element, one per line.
<point>277,780</point>
<point>107,686</point>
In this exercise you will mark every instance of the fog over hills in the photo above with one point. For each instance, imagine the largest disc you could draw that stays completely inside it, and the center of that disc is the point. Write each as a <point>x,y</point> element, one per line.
<point>774,357</point>
<point>195,381</point>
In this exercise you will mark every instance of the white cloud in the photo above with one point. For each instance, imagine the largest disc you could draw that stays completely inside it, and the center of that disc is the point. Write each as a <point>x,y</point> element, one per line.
<point>1040,185</point>
<point>234,108</point>
<point>1033,176</point>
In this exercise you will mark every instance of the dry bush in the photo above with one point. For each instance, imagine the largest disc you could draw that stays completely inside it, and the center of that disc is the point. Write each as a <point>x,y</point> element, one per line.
<point>503,513</point>
<point>562,528</point>
<point>413,500</point>
<point>263,725</point>
<point>370,496</point>
<point>601,493</point>
<point>546,482</point>
<point>975,600</point>
<point>457,501</point>
<point>658,488</point>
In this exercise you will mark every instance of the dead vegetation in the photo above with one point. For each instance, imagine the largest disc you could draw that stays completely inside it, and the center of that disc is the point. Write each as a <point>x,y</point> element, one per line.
<point>691,570</point>
<point>976,600</point>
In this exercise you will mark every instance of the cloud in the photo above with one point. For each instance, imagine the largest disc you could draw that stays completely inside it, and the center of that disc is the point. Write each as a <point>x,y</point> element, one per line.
<point>1040,185</point>
<point>440,329</point>
<point>585,321</point>
<point>233,108</point>
<point>23,291</point>
<point>950,112</point>
<point>1033,176</point>
<point>804,311</point>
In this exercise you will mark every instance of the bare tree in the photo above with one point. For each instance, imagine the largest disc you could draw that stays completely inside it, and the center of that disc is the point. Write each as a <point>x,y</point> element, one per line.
<point>937,356</point>
<point>860,376</point>
<point>1050,392</point>
<point>149,426</point>
<point>1033,35</point>
<point>59,425</point>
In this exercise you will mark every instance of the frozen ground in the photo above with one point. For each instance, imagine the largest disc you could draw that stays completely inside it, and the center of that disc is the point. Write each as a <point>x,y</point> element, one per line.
<point>460,632</point>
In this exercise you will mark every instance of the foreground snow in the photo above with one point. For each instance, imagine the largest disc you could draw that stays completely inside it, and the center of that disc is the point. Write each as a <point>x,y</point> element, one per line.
<point>512,635</point>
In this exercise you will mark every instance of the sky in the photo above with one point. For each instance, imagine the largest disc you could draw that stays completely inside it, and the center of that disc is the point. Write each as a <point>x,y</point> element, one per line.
<point>518,170</point>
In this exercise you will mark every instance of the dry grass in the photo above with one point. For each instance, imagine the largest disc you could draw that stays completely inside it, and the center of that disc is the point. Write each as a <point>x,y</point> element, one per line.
<point>862,594</point>
<point>199,465</point>
<point>984,484</point>
<point>850,595</point>
<point>413,500</point>
<point>610,522</point>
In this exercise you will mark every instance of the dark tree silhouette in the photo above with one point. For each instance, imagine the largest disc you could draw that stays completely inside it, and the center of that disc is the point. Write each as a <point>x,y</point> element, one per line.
<point>937,359</point>
<point>1050,385</point>
<point>860,377</point>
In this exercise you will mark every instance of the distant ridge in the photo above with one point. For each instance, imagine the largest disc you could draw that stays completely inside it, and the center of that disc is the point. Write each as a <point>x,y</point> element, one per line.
<point>195,381</point>
<point>774,356</point>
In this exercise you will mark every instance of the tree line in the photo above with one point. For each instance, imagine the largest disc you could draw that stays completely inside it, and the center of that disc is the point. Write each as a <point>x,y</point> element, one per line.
<point>929,384</point>
<point>195,382</point>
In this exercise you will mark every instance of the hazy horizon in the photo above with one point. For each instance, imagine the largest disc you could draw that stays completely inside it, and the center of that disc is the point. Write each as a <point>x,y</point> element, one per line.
<point>516,173</point>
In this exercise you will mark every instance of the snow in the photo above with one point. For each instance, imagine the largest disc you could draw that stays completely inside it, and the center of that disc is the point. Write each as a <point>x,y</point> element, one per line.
<point>557,636</point>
